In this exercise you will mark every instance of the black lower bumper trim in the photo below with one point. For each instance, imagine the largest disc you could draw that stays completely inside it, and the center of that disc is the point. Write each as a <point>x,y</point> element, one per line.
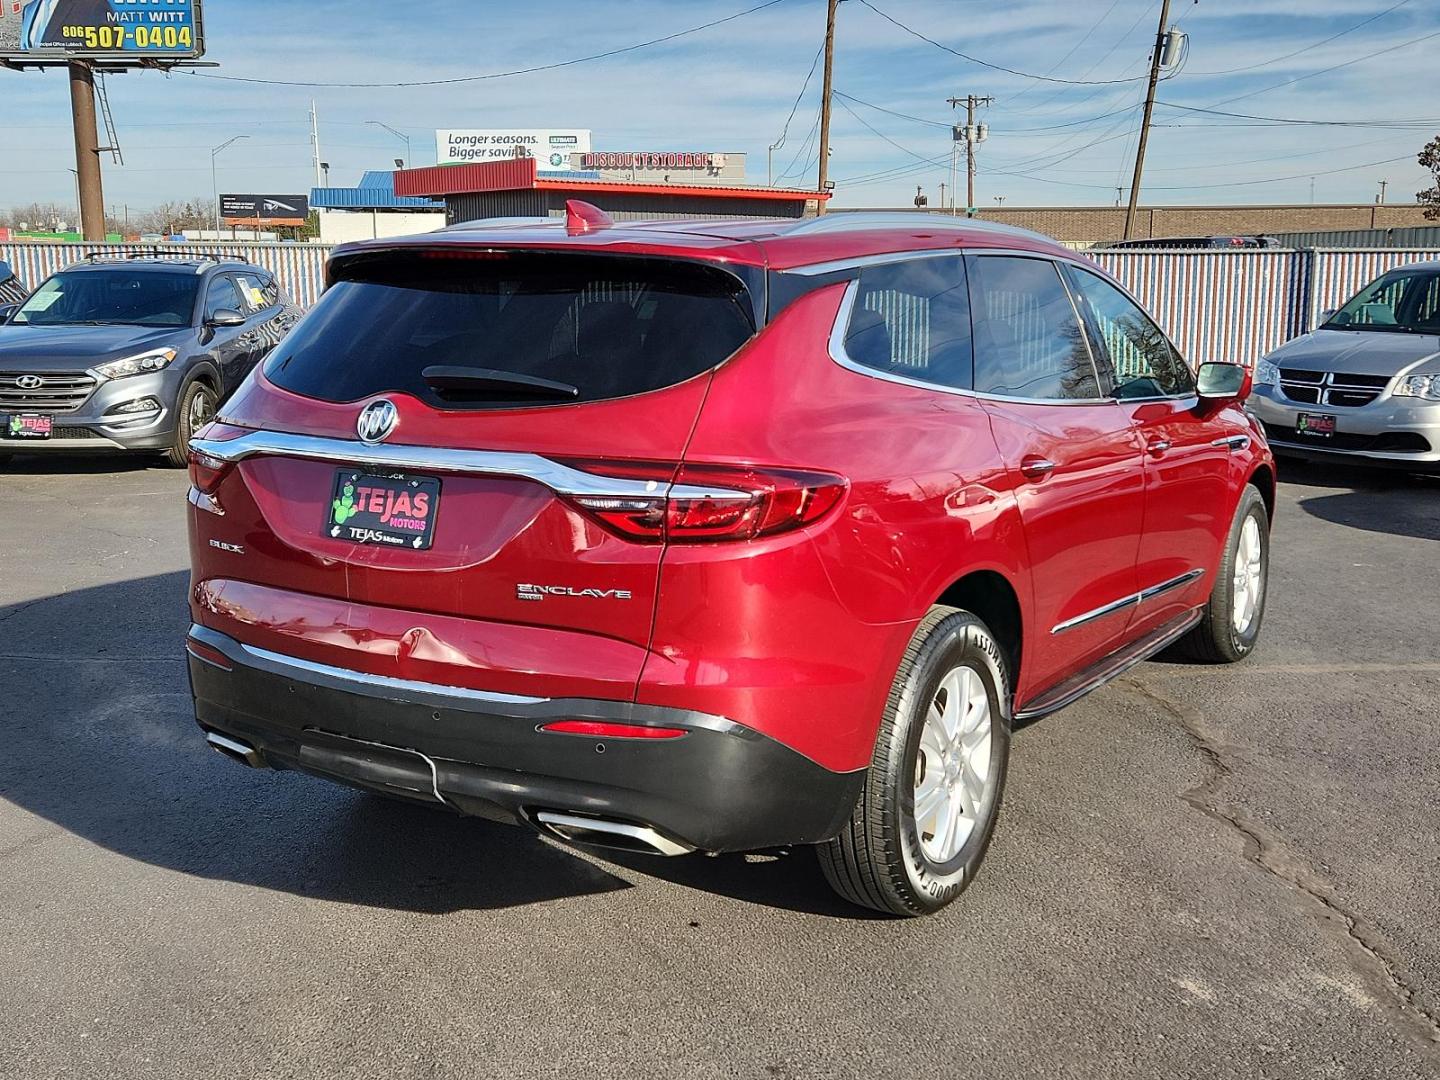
<point>719,787</point>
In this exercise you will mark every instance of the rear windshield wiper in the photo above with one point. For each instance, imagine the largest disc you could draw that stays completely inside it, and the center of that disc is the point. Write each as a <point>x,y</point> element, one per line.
<point>510,384</point>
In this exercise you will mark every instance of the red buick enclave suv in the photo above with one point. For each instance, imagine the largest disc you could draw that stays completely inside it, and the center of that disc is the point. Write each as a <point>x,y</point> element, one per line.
<point>714,536</point>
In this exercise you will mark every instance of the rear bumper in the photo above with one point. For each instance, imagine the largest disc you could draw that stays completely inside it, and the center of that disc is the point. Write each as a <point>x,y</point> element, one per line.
<point>719,787</point>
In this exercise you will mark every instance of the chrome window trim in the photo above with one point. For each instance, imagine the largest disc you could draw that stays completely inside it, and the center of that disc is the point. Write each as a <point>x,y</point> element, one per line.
<point>841,326</point>
<point>559,478</point>
<point>860,262</point>
<point>1133,600</point>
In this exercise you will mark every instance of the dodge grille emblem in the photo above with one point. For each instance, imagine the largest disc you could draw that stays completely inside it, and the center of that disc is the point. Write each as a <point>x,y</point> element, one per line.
<point>377,420</point>
<point>29,382</point>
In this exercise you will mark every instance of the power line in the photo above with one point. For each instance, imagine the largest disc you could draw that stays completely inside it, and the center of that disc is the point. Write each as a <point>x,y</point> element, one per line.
<point>1325,71</point>
<point>1036,106</point>
<point>985,63</point>
<point>1307,48</point>
<point>891,112</point>
<point>803,87</point>
<point>494,74</point>
<point>1075,47</point>
<point>1409,122</point>
<point>1211,187</point>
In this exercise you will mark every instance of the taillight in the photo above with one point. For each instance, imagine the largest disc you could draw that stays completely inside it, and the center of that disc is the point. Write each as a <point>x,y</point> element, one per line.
<point>206,471</point>
<point>700,503</point>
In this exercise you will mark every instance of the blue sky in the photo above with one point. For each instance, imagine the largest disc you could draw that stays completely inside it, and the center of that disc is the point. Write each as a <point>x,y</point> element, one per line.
<point>731,88</point>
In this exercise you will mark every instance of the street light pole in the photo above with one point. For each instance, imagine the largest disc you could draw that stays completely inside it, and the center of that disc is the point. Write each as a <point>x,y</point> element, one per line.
<point>398,134</point>
<point>214,183</point>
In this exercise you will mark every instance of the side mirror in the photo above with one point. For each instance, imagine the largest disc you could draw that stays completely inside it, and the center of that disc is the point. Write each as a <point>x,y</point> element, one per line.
<point>225,317</point>
<point>1327,315</point>
<point>1220,384</point>
<point>6,310</point>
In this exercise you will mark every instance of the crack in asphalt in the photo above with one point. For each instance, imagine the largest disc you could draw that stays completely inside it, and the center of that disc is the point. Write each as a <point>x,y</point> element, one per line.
<point>1267,850</point>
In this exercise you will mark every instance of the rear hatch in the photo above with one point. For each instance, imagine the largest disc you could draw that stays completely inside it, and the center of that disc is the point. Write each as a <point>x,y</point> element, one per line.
<point>494,532</point>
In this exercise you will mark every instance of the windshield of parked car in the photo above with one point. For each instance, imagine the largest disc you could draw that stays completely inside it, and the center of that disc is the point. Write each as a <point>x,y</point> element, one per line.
<point>487,329</point>
<point>1402,301</point>
<point>118,296</point>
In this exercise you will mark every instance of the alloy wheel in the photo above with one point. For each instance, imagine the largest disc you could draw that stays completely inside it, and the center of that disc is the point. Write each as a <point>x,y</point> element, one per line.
<point>952,765</point>
<point>1249,580</point>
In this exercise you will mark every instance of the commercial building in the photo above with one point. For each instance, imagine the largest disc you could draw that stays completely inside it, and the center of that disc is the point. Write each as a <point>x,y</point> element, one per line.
<point>630,186</point>
<point>372,209</point>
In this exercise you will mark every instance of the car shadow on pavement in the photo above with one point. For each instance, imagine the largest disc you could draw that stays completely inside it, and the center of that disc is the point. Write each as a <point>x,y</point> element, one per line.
<point>97,737</point>
<point>1373,500</point>
<point>23,464</point>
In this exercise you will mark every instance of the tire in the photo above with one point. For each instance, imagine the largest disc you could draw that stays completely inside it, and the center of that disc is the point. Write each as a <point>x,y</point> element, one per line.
<point>884,858</point>
<point>1217,639</point>
<point>193,411</point>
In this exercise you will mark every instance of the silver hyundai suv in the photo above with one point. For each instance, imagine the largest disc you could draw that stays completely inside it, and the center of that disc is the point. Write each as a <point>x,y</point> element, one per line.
<point>1365,385</point>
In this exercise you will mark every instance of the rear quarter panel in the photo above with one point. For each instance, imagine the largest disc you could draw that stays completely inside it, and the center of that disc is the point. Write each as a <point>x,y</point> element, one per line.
<point>800,635</point>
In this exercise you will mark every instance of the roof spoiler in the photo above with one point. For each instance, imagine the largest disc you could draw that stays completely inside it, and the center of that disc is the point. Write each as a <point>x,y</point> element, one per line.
<point>582,217</point>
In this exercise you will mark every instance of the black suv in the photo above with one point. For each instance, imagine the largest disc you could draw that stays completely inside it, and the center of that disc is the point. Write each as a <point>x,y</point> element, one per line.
<point>133,354</point>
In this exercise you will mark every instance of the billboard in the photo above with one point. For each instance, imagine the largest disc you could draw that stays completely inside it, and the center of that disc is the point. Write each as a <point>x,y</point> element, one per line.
<point>115,30</point>
<point>250,210</point>
<point>550,147</point>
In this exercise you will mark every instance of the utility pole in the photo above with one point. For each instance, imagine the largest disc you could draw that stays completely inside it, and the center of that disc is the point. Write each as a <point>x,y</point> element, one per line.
<point>87,151</point>
<point>974,135</point>
<point>214,183</point>
<point>825,101</point>
<point>1145,121</point>
<point>315,139</point>
<point>1380,201</point>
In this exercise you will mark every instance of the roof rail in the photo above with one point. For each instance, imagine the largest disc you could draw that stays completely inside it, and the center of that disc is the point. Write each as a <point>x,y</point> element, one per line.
<point>843,221</point>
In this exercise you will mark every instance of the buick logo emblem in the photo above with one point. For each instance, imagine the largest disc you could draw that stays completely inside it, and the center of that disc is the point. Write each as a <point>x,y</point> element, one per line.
<point>377,420</point>
<point>29,382</point>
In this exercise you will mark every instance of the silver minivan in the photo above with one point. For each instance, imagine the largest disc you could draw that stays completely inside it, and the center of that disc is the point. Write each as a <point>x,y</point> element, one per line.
<point>1365,384</point>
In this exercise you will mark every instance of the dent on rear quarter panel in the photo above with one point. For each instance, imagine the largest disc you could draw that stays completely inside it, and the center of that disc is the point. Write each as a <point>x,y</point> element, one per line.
<point>800,635</point>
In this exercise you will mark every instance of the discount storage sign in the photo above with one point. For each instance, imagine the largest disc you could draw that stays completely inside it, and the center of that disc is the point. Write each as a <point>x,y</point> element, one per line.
<point>550,147</point>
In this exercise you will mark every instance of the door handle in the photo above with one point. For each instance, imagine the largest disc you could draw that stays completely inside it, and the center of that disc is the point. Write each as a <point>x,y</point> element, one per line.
<point>1157,447</point>
<point>1034,467</point>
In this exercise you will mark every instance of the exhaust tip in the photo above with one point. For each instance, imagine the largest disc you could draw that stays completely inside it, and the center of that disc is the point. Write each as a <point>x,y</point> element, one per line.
<point>597,832</point>
<point>235,749</point>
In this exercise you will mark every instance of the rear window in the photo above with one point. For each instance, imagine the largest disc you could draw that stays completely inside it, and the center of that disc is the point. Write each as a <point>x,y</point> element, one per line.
<point>508,329</point>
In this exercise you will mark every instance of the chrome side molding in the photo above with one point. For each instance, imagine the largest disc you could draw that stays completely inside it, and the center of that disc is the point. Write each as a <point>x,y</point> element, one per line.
<point>1124,602</point>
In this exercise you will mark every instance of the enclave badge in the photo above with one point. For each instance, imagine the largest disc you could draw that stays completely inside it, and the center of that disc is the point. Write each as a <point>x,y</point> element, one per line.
<point>376,421</point>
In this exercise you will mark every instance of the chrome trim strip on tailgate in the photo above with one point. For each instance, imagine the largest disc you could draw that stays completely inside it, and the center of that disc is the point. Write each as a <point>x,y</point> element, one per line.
<point>561,479</point>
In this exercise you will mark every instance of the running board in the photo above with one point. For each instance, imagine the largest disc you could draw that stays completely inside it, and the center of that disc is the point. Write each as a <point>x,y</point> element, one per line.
<point>1117,663</point>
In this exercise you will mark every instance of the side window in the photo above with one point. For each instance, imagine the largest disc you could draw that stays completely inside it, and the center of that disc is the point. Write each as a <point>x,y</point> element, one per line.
<point>913,319</point>
<point>221,294</point>
<point>249,286</point>
<point>1144,363</point>
<point>269,291</point>
<point>1028,340</point>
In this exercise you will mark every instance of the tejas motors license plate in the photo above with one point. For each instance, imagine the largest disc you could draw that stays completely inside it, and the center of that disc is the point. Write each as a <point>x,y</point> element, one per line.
<point>396,510</point>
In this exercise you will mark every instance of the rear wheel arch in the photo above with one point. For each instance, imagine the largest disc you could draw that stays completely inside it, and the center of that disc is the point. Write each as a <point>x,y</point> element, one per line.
<point>991,598</point>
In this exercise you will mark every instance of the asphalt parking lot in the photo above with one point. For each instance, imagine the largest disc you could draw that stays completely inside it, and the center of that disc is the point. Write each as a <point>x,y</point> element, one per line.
<point>1198,872</point>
